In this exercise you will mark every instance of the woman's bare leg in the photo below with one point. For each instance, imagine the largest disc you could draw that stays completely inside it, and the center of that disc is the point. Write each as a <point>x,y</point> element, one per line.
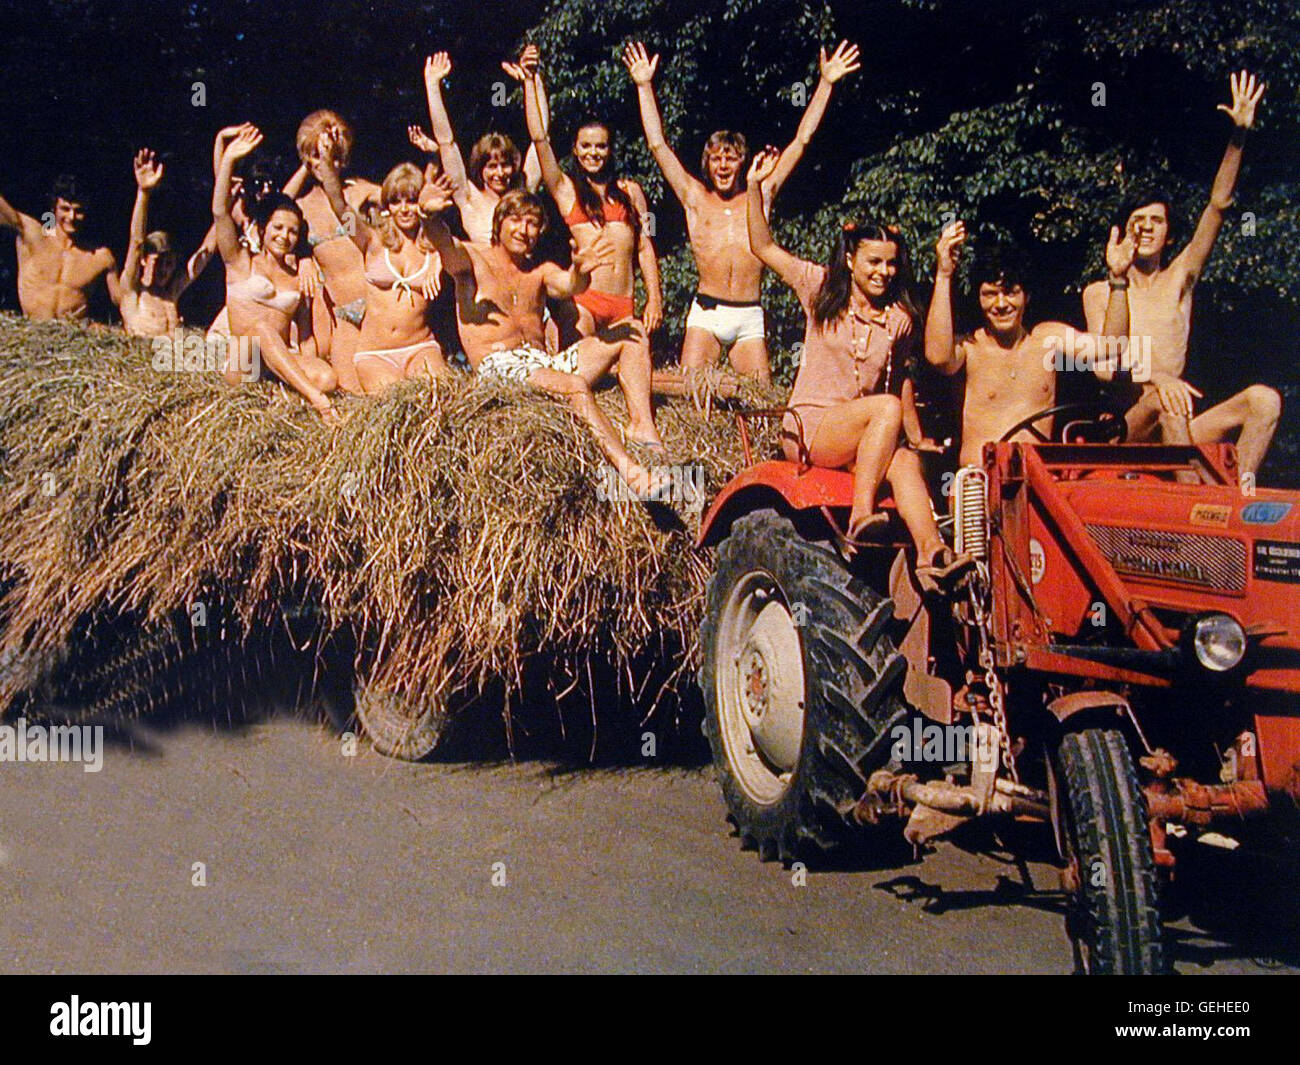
<point>298,372</point>
<point>595,358</point>
<point>907,481</point>
<point>342,345</point>
<point>375,375</point>
<point>860,435</point>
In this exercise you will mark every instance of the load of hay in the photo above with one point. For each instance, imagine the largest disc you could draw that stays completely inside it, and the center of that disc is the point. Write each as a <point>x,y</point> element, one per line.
<point>461,534</point>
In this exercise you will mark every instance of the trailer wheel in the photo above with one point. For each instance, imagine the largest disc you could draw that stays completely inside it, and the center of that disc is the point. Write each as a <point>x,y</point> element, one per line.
<point>1114,916</point>
<point>395,725</point>
<point>801,687</point>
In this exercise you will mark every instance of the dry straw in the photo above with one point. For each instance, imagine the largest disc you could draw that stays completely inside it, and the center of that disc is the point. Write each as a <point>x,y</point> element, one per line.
<point>454,530</point>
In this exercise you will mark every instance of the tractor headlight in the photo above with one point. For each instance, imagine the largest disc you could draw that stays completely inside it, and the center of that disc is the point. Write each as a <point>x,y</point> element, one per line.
<point>1219,642</point>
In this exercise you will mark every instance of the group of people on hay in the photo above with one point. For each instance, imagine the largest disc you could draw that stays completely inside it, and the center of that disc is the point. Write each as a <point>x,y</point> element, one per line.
<point>334,278</point>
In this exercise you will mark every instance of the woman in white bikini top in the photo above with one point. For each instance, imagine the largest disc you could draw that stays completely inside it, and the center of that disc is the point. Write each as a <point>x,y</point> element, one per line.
<point>402,277</point>
<point>262,291</point>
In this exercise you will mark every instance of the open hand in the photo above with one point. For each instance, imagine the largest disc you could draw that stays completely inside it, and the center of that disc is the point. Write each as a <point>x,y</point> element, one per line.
<point>148,171</point>
<point>844,60</point>
<point>244,142</point>
<point>421,140</point>
<point>763,165</point>
<point>1119,253</point>
<point>436,195</point>
<point>639,65</point>
<point>600,252</point>
<point>947,251</point>
<point>436,67</point>
<point>652,316</point>
<point>1246,93</point>
<point>1176,396</point>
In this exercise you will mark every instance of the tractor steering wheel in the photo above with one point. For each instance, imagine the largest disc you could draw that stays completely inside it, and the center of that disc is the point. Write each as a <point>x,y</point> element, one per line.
<point>1102,423</point>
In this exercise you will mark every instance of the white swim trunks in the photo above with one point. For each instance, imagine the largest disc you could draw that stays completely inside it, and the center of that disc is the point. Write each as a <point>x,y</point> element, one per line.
<point>728,322</point>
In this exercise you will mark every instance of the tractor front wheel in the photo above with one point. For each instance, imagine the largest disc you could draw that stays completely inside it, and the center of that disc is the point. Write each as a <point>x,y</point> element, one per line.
<point>801,687</point>
<point>1114,917</point>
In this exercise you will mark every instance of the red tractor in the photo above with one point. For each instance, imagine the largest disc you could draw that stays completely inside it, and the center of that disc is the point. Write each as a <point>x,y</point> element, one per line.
<point>1123,664</point>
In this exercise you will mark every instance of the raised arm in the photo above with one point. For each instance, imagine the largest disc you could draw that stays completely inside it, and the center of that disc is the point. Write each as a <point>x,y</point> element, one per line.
<point>324,168</point>
<point>437,67</point>
<point>529,72</point>
<point>148,172</point>
<point>227,233</point>
<point>1246,93</point>
<point>641,68</point>
<point>1107,313</point>
<point>12,218</point>
<point>768,251</point>
<point>941,348</point>
<point>843,61</point>
<point>528,65</point>
<point>435,197</point>
<point>653,314</point>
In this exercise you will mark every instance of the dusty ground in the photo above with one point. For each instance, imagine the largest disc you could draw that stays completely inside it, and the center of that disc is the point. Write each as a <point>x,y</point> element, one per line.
<point>316,862</point>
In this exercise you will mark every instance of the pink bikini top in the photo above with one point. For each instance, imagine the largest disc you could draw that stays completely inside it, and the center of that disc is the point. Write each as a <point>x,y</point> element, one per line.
<point>260,289</point>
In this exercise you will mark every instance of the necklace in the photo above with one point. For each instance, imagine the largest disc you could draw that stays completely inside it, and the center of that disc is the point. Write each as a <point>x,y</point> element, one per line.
<point>859,349</point>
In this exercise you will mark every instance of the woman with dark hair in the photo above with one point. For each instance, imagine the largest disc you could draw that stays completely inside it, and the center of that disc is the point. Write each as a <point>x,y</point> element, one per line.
<point>594,198</point>
<point>262,291</point>
<point>495,166</point>
<point>848,411</point>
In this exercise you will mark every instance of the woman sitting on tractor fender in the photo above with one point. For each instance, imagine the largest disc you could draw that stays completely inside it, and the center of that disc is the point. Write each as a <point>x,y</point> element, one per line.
<point>856,351</point>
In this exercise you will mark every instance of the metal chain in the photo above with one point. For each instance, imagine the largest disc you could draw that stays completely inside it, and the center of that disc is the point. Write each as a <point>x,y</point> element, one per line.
<point>984,623</point>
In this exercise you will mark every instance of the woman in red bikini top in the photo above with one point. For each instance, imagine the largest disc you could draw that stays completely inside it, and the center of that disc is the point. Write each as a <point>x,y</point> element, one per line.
<point>593,199</point>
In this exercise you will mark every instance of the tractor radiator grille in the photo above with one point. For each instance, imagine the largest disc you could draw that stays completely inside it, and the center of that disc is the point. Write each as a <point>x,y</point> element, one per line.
<point>1190,558</point>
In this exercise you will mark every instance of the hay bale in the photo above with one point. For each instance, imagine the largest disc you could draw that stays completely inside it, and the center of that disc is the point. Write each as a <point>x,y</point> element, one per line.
<point>455,529</point>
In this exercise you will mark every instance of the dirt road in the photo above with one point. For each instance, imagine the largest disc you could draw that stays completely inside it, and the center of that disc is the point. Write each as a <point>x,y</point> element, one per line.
<point>315,861</point>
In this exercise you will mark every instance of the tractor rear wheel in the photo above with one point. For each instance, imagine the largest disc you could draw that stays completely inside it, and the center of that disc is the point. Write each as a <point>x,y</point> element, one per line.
<point>801,687</point>
<point>396,725</point>
<point>1114,916</point>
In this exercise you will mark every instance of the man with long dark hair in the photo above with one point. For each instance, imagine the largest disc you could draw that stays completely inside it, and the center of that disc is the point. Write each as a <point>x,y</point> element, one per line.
<point>726,312</point>
<point>1009,366</point>
<point>1153,302</point>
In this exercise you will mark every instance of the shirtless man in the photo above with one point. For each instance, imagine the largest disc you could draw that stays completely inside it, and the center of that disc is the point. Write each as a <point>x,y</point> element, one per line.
<point>726,311</point>
<point>150,282</point>
<point>1009,370</point>
<point>57,272</point>
<point>1151,300</point>
<point>500,293</point>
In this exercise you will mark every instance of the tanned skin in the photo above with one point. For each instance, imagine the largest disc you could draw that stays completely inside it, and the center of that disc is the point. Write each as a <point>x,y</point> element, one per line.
<point>715,216</point>
<point>1007,376</point>
<point>150,283</point>
<point>1155,301</point>
<point>57,272</point>
<point>500,294</point>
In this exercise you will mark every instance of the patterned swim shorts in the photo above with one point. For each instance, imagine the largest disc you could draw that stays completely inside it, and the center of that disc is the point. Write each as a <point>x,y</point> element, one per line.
<point>518,364</point>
